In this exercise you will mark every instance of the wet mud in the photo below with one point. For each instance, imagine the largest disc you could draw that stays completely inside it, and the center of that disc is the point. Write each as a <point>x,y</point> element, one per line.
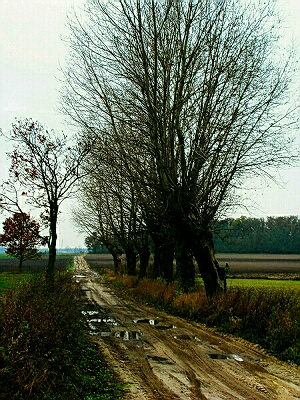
<point>164,357</point>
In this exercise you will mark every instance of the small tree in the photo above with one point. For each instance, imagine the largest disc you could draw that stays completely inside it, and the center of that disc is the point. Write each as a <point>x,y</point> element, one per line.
<point>22,237</point>
<point>44,170</point>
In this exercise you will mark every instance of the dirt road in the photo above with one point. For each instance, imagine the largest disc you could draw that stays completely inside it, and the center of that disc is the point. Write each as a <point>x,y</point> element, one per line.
<point>165,357</point>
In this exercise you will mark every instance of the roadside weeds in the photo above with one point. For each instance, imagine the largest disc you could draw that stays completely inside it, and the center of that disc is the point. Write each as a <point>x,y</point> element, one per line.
<point>45,352</point>
<point>268,317</point>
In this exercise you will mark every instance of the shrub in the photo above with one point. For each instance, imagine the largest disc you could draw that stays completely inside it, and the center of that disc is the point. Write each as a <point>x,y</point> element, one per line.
<point>157,291</point>
<point>44,350</point>
<point>269,317</point>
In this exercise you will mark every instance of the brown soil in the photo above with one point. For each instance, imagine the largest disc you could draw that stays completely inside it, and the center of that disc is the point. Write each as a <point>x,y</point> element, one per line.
<point>285,266</point>
<point>35,265</point>
<point>165,357</point>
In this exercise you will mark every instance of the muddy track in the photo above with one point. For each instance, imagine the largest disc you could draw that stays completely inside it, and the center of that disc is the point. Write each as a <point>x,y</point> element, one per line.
<point>165,357</point>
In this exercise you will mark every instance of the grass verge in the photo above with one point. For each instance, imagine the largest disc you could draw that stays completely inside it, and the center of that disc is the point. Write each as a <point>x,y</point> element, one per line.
<point>45,352</point>
<point>265,283</point>
<point>267,316</point>
<point>12,281</point>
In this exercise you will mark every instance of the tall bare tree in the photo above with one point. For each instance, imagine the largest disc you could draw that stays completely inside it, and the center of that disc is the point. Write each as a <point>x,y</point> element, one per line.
<point>107,206</point>
<point>43,173</point>
<point>188,94</point>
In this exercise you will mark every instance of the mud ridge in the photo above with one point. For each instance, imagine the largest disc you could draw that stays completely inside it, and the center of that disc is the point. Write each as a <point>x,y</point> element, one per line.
<point>164,357</point>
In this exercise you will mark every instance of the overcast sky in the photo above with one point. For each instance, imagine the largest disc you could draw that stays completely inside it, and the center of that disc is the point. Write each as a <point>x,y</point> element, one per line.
<point>31,52</point>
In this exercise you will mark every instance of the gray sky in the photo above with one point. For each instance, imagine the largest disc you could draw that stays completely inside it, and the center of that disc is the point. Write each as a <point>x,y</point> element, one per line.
<point>31,51</point>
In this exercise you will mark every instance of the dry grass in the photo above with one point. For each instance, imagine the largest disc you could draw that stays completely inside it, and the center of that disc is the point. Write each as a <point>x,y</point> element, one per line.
<point>45,352</point>
<point>157,290</point>
<point>267,316</point>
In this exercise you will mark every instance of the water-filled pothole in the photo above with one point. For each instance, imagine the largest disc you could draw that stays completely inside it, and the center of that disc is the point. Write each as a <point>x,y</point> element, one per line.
<point>98,321</point>
<point>108,320</point>
<point>146,321</point>
<point>183,337</point>
<point>90,312</point>
<point>124,335</point>
<point>162,327</point>
<point>78,278</point>
<point>219,356</point>
<point>128,335</point>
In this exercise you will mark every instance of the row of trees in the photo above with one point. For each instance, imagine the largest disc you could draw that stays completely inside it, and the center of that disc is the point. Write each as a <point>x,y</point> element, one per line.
<point>273,235</point>
<point>182,100</point>
<point>177,102</point>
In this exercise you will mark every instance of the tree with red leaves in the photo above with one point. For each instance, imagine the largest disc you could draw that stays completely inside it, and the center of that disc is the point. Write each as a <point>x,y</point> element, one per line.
<point>21,237</point>
<point>45,168</point>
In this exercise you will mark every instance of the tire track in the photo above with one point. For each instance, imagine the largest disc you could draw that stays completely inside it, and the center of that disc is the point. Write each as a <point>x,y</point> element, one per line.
<point>165,357</point>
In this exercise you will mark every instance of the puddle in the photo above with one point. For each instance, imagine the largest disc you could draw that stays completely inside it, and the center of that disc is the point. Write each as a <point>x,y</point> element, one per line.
<point>146,321</point>
<point>104,334</point>
<point>90,309</point>
<point>96,326</point>
<point>125,335</point>
<point>128,335</point>
<point>78,277</point>
<point>193,338</point>
<point>162,327</point>
<point>183,337</point>
<point>91,312</point>
<point>154,322</point>
<point>236,357</point>
<point>109,321</point>
<point>218,356</point>
<point>199,340</point>
<point>98,321</point>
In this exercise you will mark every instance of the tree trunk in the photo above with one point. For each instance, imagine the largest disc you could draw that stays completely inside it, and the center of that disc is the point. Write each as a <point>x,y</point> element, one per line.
<point>144,254</point>
<point>130,260</point>
<point>52,239</point>
<point>163,260</point>
<point>21,263</point>
<point>214,277</point>
<point>116,254</point>
<point>185,269</point>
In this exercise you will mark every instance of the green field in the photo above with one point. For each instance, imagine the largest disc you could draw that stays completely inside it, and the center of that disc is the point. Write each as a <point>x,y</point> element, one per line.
<point>260,283</point>
<point>11,280</point>
<point>268,283</point>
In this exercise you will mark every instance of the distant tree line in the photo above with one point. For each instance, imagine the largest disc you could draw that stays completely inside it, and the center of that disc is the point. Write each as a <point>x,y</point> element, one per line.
<point>95,246</point>
<point>274,235</point>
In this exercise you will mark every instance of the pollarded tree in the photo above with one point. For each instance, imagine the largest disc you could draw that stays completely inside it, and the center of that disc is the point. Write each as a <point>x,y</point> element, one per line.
<point>22,237</point>
<point>44,170</point>
<point>107,206</point>
<point>91,220</point>
<point>191,98</point>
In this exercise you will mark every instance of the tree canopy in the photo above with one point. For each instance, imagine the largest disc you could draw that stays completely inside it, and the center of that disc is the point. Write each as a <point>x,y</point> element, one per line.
<point>21,237</point>
<point>43,173</point>
<point>185,100</point>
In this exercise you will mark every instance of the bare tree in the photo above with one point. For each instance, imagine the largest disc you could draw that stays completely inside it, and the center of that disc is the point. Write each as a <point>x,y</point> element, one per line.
<point>188,94</point>
<point>44,170</point>
<point>107,206</point>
